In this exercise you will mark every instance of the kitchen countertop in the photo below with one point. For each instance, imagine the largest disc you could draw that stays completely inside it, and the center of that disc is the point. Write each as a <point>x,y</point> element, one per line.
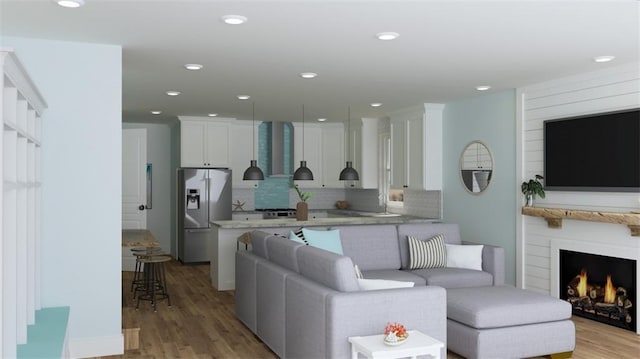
<point>330,221</point>
<point>138,238</point>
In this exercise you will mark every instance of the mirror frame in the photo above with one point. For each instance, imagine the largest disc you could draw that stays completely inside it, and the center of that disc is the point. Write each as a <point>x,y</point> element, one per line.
<point>461,161</point>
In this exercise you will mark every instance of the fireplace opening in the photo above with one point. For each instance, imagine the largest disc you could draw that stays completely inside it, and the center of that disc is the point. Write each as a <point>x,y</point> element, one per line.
<point>599,287</point>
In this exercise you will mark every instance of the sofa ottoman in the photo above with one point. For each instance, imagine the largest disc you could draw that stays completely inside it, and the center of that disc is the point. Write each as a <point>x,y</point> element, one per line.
<point>507,322</point>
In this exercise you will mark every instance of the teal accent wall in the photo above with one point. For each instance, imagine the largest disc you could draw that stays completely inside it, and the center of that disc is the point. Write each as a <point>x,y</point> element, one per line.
<point>273,192</point>
<point>489,217</point>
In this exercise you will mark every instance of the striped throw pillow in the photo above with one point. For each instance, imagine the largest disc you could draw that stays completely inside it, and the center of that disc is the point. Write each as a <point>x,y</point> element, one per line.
<point>430,253</point>
<point>298,233</point>
<point>359,274</point>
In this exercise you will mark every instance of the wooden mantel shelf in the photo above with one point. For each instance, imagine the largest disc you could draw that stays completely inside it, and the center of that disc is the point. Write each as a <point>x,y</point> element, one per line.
<point>554,217</point>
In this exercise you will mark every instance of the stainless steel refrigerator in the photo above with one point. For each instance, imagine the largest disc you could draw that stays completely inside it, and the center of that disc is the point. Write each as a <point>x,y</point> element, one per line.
<point>204,195</point>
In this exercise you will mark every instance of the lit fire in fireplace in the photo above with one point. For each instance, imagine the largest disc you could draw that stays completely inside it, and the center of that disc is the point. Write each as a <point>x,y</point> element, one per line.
<point>599,300</point>
<point>582,284</point>
<point>609,291</point>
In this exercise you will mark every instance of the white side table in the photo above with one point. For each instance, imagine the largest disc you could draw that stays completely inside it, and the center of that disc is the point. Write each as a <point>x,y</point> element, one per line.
<point>373,347</point>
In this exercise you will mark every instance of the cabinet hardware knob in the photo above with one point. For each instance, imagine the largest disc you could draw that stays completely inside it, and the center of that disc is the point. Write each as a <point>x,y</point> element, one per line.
<point>141,207</point>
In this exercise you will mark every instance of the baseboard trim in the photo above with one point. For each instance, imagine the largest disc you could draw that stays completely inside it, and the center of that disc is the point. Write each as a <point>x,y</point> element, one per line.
<point>96,347</point>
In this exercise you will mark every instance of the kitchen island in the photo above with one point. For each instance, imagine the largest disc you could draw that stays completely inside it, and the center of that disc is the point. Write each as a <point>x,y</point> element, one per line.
<point>224,236</point>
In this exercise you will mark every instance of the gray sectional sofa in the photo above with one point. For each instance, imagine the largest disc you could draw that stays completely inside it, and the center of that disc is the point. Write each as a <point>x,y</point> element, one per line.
<point>304,302</point>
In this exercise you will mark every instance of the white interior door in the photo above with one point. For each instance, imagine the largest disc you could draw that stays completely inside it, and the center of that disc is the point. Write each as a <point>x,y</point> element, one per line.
<point>134,181</point>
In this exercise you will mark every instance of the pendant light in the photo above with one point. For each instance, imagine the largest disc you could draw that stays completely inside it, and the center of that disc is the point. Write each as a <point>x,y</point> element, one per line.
<point>303,173</point>
<point>253,173</point>
<point>349,173</point>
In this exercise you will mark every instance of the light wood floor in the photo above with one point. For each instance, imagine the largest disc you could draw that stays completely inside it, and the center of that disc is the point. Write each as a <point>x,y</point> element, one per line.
<point>201,324</point>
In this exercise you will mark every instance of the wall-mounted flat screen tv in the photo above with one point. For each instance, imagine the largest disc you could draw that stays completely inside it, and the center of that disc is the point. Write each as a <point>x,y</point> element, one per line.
<point>599,153</point>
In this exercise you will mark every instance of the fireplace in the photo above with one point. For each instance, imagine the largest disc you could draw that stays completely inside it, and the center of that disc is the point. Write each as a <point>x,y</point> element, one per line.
<point>599,287</point>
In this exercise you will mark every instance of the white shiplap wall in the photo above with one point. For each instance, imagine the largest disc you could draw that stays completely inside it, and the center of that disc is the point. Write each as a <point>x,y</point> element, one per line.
<point>611,89</point>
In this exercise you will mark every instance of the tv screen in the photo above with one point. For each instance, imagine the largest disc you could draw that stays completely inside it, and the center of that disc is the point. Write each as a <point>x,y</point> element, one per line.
<point>598,152</point>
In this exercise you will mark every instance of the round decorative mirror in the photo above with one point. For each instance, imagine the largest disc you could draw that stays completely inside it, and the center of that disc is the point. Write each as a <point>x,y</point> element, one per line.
<point>476,167</point>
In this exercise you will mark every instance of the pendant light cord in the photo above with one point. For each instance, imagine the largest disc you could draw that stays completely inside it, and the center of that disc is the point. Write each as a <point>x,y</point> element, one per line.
<point>349,133</point>
<point>303,132</point>
<point>253,111</point>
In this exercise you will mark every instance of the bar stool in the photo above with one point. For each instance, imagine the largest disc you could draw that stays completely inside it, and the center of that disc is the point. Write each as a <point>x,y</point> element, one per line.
<point>154,283</point>
<point>137,274</point>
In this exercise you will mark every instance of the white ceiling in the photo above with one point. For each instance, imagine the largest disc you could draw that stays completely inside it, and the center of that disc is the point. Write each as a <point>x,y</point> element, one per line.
<point>445,49</point>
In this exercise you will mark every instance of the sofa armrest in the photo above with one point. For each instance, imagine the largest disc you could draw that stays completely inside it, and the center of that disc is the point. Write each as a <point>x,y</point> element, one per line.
<point>493,262</point>
<point>367,312</point>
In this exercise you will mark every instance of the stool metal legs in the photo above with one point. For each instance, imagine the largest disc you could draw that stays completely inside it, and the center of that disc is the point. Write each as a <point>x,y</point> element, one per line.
<point>153,285</point>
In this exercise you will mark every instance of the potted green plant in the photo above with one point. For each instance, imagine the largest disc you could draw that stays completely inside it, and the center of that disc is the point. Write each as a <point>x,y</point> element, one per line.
<point>302,207</point>
<point>532,188</point>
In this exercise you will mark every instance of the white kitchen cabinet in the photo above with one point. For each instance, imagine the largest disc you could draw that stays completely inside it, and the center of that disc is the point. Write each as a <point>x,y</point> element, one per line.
<point>205,142</point>
<point>242,151</point>
<point>332,155</point>
<point>416,148</point>
<point>363,147</point>
<point>323,151</point>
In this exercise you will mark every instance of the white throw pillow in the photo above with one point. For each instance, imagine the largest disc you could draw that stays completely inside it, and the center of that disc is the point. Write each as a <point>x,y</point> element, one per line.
<point>464,256</point>
<point>375,284</point>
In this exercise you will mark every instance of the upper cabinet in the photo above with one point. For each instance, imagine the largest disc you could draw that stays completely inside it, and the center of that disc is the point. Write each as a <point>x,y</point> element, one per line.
<point>363,147</point>
<point>416,148</point>
<point>323,151</point>
<point>204,142</point>
<point>241,151</point>
<point>220,142</point>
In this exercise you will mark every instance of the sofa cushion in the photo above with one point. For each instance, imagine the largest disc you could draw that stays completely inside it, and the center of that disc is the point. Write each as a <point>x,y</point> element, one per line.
<point>328,240</point>
<point>464,256</point>
<point>502,306</point>
<point>377,284</point>
<point>451,233</point>
<point>327,268</point>
<point>282,251</point>
<point>394,274</point>
<point>259,243</point>
<point>430,253</point>
<point>371,247</point>
<point>454,277</point>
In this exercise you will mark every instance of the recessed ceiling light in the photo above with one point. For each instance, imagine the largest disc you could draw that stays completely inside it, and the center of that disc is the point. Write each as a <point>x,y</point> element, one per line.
<point>243,97</point>
<point>156,112</point>
<point>483,87</point>
<point>322,119</point>
<point>603,58</point>
<point>376,104</point>
<point>193,66</point>
<point>173,93</point>
<point>212,115</point>
<point>234,19</point>
<point>308,75</point>
<point>387,36</point>
<point>70,3</point>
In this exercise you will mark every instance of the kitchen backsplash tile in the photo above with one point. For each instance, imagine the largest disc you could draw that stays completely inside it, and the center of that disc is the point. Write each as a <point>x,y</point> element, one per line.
<point>323,198</point>
<point>276,193</point>
<point>273,192</point>
<point>246,196</point>
<point>427,204</point>
<point>364,200</point>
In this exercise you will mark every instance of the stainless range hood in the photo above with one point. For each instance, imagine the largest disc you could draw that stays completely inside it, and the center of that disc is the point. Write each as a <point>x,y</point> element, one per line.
<point>278,148</point>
